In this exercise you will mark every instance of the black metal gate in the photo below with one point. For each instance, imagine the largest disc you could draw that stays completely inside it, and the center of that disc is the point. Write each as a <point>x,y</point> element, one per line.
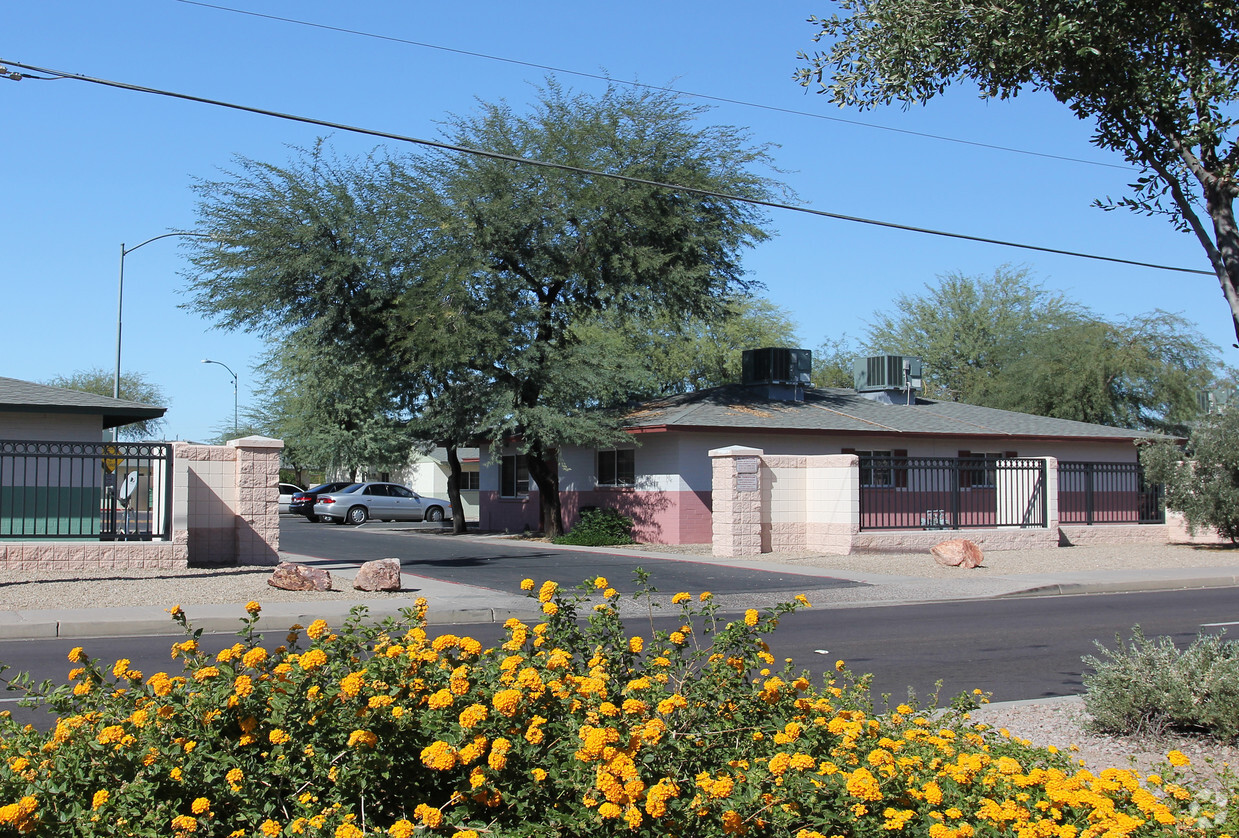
<point>902,493</point>
<point>109,491</point>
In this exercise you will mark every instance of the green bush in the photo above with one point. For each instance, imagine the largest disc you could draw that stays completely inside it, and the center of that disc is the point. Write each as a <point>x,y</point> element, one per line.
<point>569,727</point>
<point>1203,481</point>
<point>1149,686</point>
<point>599,528</point>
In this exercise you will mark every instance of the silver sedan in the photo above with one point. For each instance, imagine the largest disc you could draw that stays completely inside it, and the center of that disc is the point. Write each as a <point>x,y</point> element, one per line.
<point>360,502</point>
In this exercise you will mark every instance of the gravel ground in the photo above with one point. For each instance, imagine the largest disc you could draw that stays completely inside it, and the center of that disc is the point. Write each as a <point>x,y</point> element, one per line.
<point>164,588</point>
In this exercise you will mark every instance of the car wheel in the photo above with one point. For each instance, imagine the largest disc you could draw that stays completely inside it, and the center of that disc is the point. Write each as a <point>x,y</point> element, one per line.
<point>434,513</point>
<point>357,515</point>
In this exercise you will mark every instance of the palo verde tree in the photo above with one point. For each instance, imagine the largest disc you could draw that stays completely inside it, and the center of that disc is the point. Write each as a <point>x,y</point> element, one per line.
<point>1007,342</point>
<point>1143,372</point>
<point>1159,80</point>
<point>965,329</point>
<point>549,247</point>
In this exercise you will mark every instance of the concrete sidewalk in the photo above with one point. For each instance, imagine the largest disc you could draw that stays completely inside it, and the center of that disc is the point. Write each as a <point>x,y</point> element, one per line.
<point>458,603</point>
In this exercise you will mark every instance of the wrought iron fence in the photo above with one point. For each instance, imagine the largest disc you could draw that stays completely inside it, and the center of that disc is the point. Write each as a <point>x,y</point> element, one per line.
<point>951,493</point>
<point>1107,493</point>
<point>84,490</point>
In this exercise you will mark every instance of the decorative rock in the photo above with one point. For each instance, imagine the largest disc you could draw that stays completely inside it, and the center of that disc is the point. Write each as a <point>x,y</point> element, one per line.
<point>379,575</point>
<point>958,552</point>
<point>291,576</point>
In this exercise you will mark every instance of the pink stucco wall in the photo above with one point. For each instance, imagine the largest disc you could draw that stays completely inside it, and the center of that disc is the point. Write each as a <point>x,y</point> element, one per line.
<point>658,517</point>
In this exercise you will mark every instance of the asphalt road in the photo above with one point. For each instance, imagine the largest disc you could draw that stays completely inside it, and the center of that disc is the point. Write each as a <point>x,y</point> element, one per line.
<point>1016,648</point>
<point>501,564</point>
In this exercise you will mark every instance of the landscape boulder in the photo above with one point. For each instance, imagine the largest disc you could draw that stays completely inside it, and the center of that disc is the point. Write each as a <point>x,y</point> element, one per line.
<point>958,552</point>
<point>378,575</point>
<point>290,576</point>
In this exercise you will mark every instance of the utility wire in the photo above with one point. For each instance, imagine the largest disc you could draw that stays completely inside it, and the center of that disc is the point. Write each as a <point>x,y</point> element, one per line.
<point>524,161</point>
<point>644,86</point>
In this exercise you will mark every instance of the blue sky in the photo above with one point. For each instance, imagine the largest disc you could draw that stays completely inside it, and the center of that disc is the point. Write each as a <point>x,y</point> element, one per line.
<point>86,168</point>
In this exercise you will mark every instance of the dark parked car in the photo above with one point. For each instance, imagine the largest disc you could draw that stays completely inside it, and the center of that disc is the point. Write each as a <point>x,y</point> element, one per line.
<point>384,501</point>
<point>303,502</point>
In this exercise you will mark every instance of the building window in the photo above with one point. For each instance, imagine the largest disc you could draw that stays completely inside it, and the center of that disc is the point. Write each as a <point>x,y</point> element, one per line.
<point>514,476</point>
<point>617,467</point>
<point>469,481</point>
<point>980,468</point>
<point>877,473</point>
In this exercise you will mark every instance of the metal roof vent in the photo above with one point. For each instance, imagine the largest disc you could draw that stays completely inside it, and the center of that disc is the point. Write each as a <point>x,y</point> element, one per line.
<point>783,372</point>
<point>888,378</point>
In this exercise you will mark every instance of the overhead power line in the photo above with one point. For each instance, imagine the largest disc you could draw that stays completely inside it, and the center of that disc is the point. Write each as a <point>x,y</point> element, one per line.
<point>609,80</point>
<point>524,161</point>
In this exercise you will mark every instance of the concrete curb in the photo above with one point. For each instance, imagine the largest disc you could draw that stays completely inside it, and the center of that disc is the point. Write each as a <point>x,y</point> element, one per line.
<point>1121,586</point>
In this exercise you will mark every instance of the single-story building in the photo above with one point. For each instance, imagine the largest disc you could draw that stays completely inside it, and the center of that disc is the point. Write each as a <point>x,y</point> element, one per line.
<point>30,411</point>
<point>664,479</point>
<point>72,499</point>
<point>427,475</point>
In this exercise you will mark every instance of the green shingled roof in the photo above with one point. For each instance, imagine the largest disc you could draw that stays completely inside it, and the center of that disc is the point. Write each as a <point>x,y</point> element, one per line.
<point>18,396</point>
<point>843,411</point>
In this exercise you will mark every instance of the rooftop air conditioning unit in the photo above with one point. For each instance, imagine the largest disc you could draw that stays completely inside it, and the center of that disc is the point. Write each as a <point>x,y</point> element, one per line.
<point>777,365</point>
<point>886,372</point>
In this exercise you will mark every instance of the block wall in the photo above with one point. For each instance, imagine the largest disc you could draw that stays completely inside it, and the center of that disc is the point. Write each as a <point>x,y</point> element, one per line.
<point>225,510</point>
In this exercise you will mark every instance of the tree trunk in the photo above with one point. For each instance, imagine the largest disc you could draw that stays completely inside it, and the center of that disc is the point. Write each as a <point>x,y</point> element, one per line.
<point>1222,211</point>
<point>453,490</point>
<point>544,471</point>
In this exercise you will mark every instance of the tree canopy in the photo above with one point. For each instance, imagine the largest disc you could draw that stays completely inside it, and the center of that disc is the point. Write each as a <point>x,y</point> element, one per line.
<point>1006,341</point>
<point>676,354</point>
<point>1159,80</point>
<point>337,414</point>
<point>965,329</point>
<point>463,281</point>
<point>551,247</point>
<point>134,387</point>
<point>1203,482</point>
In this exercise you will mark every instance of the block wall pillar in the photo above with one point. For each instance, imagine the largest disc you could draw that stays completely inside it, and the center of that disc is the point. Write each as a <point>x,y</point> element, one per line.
<point>257,499</point>
<point>737,498</point>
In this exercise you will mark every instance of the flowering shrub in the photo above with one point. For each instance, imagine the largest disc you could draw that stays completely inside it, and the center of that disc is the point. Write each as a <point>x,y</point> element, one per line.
<point>569,727</point>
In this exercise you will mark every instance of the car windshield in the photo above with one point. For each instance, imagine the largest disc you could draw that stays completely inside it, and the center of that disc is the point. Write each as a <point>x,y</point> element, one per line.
<point>353,488</point>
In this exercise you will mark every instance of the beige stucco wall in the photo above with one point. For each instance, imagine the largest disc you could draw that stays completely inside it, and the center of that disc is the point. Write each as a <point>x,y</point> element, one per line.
<point>51,427</point>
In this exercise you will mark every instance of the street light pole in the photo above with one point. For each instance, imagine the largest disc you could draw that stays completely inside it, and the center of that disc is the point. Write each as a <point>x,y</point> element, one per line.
<point>120,302</point>
<point>235,425</point>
